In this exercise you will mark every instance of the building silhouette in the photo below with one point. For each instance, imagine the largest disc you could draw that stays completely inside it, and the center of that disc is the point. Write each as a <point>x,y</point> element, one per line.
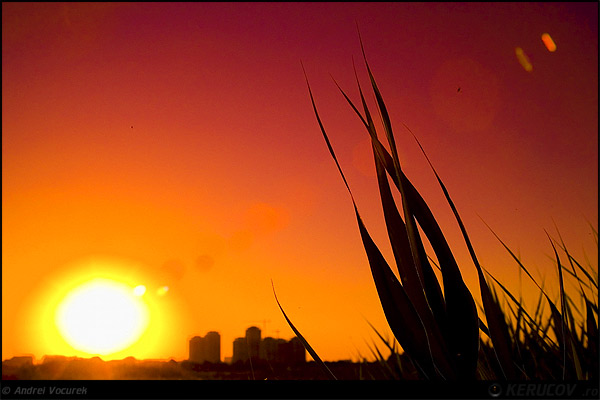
<point>205,349</point>
<point>253,342</point>
<point>240,350</point>
<point>297,352</point>
<point>280,351</point>
<point>247,347</point>
<point>213,347</point>
<point>271,350</point>
<point>195,349</point>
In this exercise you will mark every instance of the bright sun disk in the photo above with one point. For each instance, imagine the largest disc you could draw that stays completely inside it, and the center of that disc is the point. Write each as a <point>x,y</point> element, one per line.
<point>102,316</point>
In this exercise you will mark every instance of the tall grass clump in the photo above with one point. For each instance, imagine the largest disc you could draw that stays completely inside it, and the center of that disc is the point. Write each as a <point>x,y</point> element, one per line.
<point>441,332</point>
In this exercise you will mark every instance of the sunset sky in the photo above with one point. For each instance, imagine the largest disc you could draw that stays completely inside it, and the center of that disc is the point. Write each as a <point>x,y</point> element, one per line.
<point>174,145</point>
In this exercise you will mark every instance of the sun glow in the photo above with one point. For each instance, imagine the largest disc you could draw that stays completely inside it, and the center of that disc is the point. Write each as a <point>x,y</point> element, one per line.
<point>42,334</point>
<point>139,290</point>
<point>102,316</point>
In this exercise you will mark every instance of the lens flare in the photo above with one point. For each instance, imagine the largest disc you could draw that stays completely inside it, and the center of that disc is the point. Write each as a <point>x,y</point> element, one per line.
<point>161,291</point>
<point>523,59</point>
<point>139,290</point>
<point>550,45</point>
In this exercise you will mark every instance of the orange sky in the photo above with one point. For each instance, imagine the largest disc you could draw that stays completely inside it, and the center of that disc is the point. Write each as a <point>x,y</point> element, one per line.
<point>225,182</point>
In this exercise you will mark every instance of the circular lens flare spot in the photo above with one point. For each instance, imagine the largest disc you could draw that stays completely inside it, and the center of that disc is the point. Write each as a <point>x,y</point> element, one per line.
<point>161,291</point>
<point>101,317</point>
<point>139,290</point>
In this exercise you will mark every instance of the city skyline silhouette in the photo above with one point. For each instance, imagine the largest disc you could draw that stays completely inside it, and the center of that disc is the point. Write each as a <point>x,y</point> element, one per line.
<point>167,166</point>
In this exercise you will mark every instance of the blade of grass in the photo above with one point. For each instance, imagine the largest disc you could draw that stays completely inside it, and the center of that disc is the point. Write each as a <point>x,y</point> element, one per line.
<point>434,298</point>
<point>576,346</point>
<point>400,313</point>
<point>412,277</point>
<point>539,307</point>
<point>561,331</point>
<point>519,263</point>
<point>398,309</point>
<point>381,337</point>
<point>458,298</point>
<point>403,248</point>
<point>494,314</point>
<point>384,367</point>
<point>510,295</point>
<point>572,261</point>
<point>412,231</point>
<point>592,342</point>
<point>409,272</point>
<point>564,328</point>
<point>482,325</point>
<point>591,329</point>
<point>430,283</point>
<point>422,213</point>
<point>307,346</point>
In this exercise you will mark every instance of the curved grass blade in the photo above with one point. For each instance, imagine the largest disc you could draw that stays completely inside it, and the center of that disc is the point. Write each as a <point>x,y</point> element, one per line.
<point>400,313</point>
<point>463,345</point>
<point>461,296</point>
<point>576,346</point>
<point>386,342</point>
<point>307,346</point>
<point>399,239</point>
<point>495,316</point>
<point>562,305</point>
<point>457,351</point>
<point>592,333</point>
<point>387,124</point>
<point>591,349</point>
<point>573,261</point>
<point>403,250</point>
<point>538,308</point>
<point>434,300</point>
<point>383,365</point>
<point>460,306</point>
<point>580,281</point>
<point>514,256</point>
<point>567,334</point>
<point>414,239</point>
<point>510,296</point>
<point>325,135</point>
<point>396,229</point>
<point>407,265</point>
<point>482,325</point>
<point>557,317</point>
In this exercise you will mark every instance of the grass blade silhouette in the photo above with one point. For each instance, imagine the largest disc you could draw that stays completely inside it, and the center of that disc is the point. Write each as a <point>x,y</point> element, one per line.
<point>494,315</point>
<point>398,308</point>
<point>307,346</point>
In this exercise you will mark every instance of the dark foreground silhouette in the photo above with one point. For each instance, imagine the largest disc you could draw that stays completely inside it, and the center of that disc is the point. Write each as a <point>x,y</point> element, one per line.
<point>74,368</point>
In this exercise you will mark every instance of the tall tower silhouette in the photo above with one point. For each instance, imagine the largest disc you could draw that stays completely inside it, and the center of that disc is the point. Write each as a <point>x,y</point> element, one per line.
<point>253,342</point>
<point>196,349</point>
<point>240,350</point>
<point>206,349</point>
<point>212,347</point>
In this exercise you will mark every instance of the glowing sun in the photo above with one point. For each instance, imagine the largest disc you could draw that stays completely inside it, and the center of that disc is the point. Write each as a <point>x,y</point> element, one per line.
<point>102,316</point>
